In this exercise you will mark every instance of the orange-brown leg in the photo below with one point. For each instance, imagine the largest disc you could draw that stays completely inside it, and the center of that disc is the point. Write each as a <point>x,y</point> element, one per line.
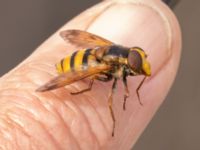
<point>138,88</point>
<point>110,102</point>
<point>126,95</point>
<point>97,77</point>
<point>85,90</point>
<point>107,77</point>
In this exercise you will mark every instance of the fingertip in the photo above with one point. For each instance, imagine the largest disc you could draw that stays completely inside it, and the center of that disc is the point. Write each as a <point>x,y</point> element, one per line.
<point>147,24</point>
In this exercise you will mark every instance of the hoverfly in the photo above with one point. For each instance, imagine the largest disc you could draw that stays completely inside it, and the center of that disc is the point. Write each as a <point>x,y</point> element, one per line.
<point>100,60</point>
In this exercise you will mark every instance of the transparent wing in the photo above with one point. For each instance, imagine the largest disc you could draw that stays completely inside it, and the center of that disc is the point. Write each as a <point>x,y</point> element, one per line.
<point>73,76</point>
<point>84,39</point>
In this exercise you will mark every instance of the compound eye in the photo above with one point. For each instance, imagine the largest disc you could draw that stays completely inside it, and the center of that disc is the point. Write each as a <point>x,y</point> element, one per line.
<point>135,61</point>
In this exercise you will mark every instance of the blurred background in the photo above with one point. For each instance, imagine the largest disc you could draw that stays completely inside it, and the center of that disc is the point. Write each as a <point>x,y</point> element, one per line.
<point>25,24</point>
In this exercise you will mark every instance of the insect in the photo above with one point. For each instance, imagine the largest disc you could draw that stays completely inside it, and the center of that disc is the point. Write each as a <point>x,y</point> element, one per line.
<point>100,60</point>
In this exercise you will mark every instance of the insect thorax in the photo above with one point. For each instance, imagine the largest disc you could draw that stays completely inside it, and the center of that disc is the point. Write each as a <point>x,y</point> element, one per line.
<point>116,55</point>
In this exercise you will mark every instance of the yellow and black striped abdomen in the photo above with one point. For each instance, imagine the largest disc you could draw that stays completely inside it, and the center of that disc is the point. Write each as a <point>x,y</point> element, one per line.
<point>78,60</point>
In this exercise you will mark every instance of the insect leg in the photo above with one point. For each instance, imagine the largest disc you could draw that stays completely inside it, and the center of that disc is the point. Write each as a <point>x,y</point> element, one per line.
<point>126,95</point>
<point>100,78</point>
<point>104,79</point>
<point>110,101</point>
<point>138,88</point>
<point>85,90</point>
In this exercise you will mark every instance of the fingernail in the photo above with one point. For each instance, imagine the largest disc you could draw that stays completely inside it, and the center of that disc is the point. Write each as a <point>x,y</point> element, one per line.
<point>132,23</point>
<point>136,24</point>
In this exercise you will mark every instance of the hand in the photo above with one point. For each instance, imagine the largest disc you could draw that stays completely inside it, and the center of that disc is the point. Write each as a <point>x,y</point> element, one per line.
<point>58,120</point>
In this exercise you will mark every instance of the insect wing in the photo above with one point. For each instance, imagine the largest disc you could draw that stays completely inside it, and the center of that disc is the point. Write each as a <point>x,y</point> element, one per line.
<point>84,39</point>
<point>70,77</point>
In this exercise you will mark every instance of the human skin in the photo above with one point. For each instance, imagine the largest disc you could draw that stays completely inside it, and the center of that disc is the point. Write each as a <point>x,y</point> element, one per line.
<point>57,120</point>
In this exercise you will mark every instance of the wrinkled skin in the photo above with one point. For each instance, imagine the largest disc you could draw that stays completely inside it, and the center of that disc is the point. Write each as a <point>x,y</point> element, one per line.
<point>57,120</point>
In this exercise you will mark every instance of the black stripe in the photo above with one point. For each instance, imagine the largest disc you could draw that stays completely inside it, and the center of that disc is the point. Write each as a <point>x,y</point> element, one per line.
<point>72,59</point>
<point>85,56</point>
<point>62,64</point>
<point>119,51</point>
